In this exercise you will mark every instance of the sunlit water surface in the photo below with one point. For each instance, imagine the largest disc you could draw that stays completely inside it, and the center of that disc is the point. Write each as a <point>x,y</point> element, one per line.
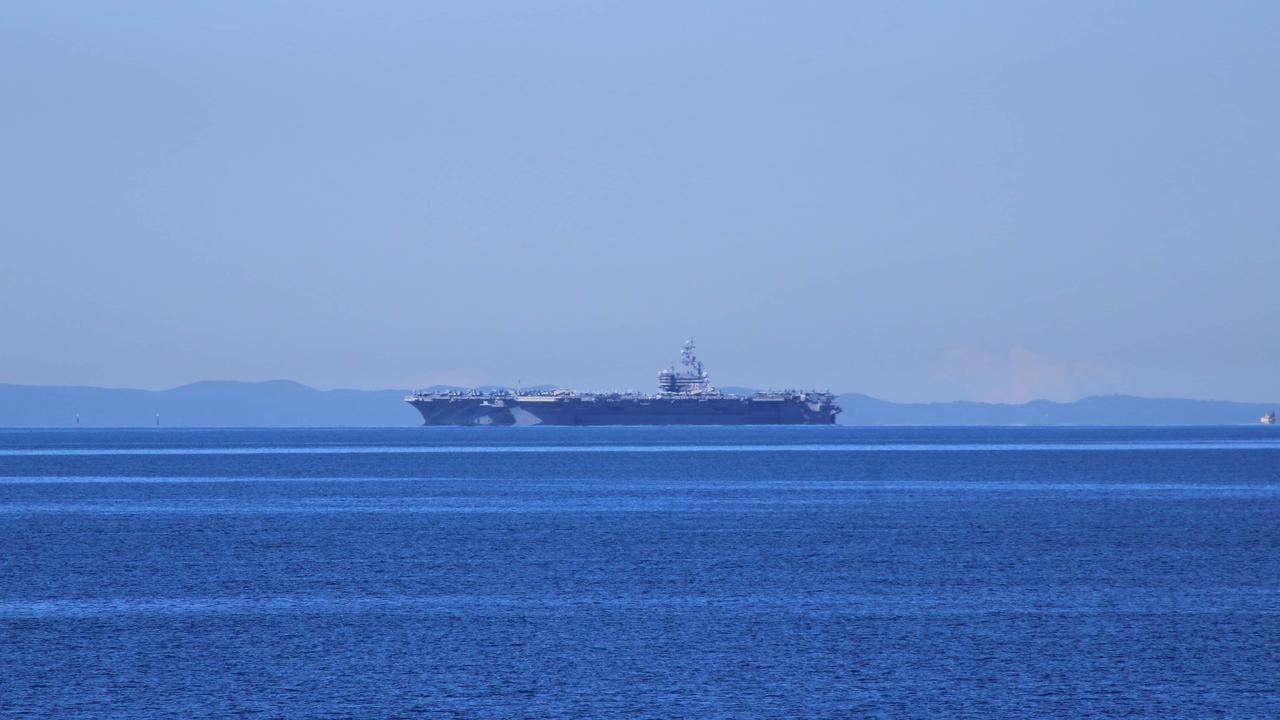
<point>640,572</point>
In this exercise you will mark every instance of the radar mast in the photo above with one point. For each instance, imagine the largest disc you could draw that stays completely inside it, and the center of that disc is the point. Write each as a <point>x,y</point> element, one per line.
<point>691,381</point>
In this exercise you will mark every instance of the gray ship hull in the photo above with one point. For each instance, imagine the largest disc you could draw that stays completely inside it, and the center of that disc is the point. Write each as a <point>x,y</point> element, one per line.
<point>718,410</point>
<point>684,397</point>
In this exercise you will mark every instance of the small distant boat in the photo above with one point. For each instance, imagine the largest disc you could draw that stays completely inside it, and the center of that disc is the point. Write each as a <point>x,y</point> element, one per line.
<point>1268,419</point>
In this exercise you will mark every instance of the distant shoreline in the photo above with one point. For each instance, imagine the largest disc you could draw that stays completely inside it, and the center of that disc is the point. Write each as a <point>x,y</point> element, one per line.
<point>285,404</point>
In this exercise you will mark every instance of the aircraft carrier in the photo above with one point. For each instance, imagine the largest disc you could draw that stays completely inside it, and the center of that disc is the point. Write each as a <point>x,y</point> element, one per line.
<point>684,397</point>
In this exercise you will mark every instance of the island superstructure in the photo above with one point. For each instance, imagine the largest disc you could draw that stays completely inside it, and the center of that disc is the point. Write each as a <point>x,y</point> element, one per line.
<point>685,397</point>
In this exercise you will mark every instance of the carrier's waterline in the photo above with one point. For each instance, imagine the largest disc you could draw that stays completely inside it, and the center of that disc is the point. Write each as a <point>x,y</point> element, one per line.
<point>684,397</point>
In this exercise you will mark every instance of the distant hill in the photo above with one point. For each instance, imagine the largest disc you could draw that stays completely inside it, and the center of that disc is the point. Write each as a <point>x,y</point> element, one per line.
<point>203,404</point>
<point>1096,410</point>
<point>283,403</point>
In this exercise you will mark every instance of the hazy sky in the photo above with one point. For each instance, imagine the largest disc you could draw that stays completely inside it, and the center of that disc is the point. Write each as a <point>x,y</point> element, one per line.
<point>911,200</point>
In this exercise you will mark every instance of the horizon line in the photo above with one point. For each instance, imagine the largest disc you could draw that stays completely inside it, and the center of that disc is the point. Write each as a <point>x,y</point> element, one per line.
<point>286,381</point>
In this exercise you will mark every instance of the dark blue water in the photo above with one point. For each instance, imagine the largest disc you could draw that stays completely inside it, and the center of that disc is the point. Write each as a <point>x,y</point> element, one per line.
<point>625,572</point>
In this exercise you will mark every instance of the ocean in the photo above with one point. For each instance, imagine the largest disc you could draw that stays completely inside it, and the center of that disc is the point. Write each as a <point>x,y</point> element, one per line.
<point>796,572</point>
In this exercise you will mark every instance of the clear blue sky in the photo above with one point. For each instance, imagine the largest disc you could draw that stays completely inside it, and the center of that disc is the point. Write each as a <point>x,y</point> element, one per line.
<point>911,200</point>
